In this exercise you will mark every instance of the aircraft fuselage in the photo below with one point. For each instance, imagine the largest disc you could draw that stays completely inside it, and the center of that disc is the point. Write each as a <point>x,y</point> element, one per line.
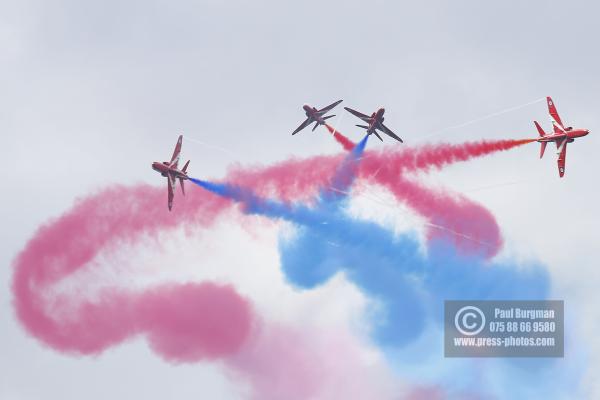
<point>377,120</point>
<point>312,113</point>
<point>570,134</point>
<point>164,169</point>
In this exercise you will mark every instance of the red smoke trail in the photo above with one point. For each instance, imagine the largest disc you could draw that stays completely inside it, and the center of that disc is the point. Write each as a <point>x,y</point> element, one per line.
<point>182,322</point>
<point>455,218</point>
<point>441,154</point>
<point>291,180</point>
<point>346,143</point>
<point>470,226</point>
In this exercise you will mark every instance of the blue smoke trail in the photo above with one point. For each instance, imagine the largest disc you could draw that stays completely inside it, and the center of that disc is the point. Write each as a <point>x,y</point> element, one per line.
<point>388,268</point>
<point>409,287</point>
<point>344,177</point>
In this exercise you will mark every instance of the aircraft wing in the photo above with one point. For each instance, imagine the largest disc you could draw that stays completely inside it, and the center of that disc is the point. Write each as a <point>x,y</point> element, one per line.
<point>554,117</point>
<point>388,132</point>
<point>329,107</point>
<point>562,156</point>
<point>360,115</point>
<point>175,158</point>
<point>171,191</point>
<point>303,125</point>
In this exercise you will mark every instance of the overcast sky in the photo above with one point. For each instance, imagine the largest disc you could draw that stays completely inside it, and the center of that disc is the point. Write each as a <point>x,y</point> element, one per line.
<point>92,92</point>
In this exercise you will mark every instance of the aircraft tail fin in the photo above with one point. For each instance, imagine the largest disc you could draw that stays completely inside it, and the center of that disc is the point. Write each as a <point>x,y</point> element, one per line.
<point>542,134</point>
<point>539,129</point>
<point>184,170</point>
<point>362,126</point>
<point>329,116</point>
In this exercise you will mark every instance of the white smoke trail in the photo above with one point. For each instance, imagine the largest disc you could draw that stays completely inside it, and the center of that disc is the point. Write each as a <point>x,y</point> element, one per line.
<point>473,121</point>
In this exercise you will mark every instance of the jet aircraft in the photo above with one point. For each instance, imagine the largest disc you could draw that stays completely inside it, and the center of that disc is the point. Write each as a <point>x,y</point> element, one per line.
<point>169,170</point>
<point>375,123</point>
<point>316,116</point>
<point>561,136</point>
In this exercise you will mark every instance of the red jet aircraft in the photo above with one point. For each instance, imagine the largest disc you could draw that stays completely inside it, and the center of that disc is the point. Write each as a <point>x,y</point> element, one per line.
<point>316,116</point>
<point>561,136</point>
<point>169,170</point>
<point>375,122</point>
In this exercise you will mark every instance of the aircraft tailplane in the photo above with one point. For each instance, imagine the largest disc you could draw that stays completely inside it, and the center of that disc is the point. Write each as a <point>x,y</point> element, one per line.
<point>182,187</point>
<point>185,166</point>
<point>543,148</point>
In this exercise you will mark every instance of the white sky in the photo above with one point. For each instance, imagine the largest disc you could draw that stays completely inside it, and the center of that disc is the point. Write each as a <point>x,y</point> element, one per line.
<point>92,92</point>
